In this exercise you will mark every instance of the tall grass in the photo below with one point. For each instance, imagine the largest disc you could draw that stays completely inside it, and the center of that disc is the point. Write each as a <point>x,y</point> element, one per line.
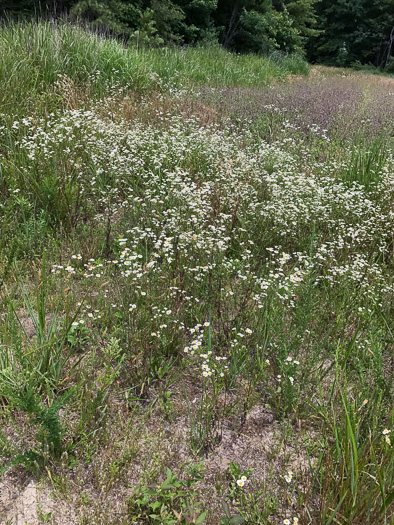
<point>34,55</point>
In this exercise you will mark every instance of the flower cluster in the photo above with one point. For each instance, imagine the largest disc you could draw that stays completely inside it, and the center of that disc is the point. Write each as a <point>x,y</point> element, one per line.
<point>287,521</point>
<point>386,433</point>
<point>241,481</point>
<point>289,476</point>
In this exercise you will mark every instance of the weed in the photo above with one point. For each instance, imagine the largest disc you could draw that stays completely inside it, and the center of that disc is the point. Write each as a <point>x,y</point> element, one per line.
<point>170,501</point>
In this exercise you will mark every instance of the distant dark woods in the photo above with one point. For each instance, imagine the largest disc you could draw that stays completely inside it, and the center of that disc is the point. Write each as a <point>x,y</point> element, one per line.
<point>333,32</point>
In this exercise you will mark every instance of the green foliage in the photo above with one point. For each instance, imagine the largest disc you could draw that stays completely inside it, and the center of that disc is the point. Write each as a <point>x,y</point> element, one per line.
<point>265,33</point>
<point>303,15</point>
<point>356,30</point>
<point>252,506</point>
<point>262,28</point>
<point>335,32</point>
<point>170,500</point>
<point>146,35</point>
<point>49,437</point>
<point>56,59</point>
<point>169,19</point>
<point>41,67</point>
<point>257,26</point>
<point>367,164</point>
<point>38,363</point>
<point>199,24</point>
<point>21,7</point>
<point>78,336</point>
<point>117,16</point>
<point>363,484</point>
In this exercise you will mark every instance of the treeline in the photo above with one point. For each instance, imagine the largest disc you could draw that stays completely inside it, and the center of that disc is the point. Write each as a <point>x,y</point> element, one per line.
<point>334,32</point>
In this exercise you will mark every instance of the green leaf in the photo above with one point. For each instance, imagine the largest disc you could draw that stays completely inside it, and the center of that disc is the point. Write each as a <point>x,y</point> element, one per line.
<point>201,517</point>
<point>235,520</point>
<point>334,512</point>
<point>387,502</point>
<point>226,508</point>
<point>166,484</point>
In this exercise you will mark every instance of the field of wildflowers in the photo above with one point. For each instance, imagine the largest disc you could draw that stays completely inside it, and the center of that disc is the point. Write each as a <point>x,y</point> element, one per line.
<point>196,286</point>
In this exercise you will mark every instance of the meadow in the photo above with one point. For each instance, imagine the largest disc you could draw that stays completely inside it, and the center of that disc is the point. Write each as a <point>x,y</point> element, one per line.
<point>196,286</point>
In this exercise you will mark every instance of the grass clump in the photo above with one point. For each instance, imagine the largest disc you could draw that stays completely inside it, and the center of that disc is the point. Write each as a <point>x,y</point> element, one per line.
<point>38,58</point>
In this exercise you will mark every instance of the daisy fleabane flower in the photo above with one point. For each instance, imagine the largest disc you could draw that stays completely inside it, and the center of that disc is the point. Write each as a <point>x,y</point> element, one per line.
<point>241,481</point>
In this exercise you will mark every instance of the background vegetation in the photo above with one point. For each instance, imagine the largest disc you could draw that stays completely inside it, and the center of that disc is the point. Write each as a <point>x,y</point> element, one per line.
<point>35,57</point>
<point>335,32</point>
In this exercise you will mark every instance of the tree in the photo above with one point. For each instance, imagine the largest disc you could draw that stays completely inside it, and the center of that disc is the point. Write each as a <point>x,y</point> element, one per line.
<point>198,24</point>
<point>267,32</point>
<point>229,16</point>
<point>304,17</point>
<point>38,8</point>
<point>117,16</point>
<point>148,23</point>
<point>168,18</point>
<point>352,30</point>
<point>337,32</point>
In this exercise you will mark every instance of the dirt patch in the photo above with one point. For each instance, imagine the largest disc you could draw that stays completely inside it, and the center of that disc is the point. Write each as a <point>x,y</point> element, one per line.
<point>24,501</point>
